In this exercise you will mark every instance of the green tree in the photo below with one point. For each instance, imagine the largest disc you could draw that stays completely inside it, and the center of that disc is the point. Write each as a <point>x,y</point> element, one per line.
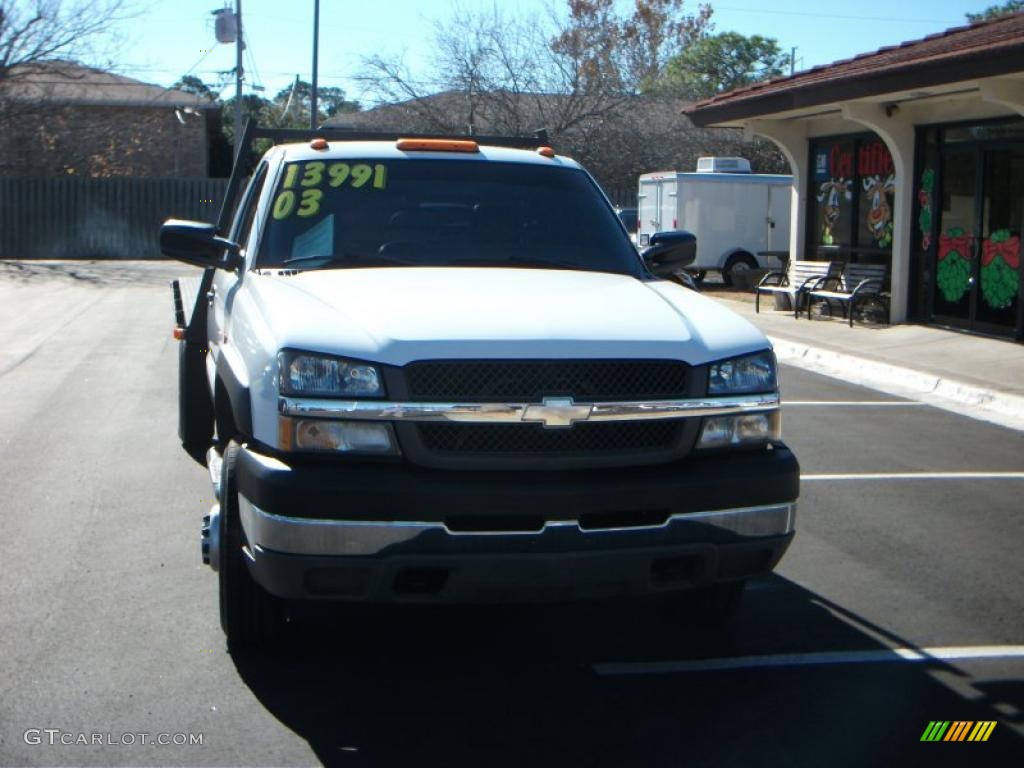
<point>193,84</point>
<point>253,107</point>
<point>718,63</point>
<point>292,104</point>
<point>1011,6</point>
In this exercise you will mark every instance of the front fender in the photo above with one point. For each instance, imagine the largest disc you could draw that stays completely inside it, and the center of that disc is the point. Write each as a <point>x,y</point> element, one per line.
<point>231,375</point>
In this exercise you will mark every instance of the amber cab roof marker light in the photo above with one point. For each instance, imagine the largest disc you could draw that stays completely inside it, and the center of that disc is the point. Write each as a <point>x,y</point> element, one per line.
<point>437,145</point>
<point>318,144</point>
<point>546,151</point>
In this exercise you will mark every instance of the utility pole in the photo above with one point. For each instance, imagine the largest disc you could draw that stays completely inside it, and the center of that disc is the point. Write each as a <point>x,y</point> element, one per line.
<point>313,114</point>
<point>239,46</point>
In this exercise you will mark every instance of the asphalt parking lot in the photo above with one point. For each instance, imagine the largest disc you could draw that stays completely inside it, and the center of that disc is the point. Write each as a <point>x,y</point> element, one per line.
<point>900,602</point>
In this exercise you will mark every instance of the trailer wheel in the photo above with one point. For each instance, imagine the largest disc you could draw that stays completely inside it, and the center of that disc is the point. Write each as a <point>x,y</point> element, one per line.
<point>738,262</point>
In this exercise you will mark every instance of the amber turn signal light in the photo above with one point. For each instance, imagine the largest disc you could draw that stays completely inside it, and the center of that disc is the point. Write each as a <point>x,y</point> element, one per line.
<point>438,145</point>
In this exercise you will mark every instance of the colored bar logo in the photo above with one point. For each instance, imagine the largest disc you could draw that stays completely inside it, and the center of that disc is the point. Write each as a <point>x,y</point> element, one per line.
<point>958,730</point>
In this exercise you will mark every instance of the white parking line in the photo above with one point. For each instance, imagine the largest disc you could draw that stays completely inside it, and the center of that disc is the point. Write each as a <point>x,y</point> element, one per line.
<point>887,655</point>
<point>918,476</point>
<point>871,403</point>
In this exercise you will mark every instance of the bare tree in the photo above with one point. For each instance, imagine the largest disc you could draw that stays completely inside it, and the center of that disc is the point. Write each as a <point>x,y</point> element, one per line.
<point>586,74</point>
<point>34,31</point>
<point>590,56</point>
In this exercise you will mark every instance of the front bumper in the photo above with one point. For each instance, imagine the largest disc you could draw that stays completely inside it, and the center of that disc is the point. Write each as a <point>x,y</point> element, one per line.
<point>398,533</point>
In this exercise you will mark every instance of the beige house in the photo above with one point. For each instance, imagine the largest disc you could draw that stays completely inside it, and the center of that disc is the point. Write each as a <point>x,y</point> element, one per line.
<point>913,157</point>
<point>60,118</point>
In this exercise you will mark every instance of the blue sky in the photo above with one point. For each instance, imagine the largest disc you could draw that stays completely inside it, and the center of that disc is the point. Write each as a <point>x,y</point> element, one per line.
<point>167,38</point>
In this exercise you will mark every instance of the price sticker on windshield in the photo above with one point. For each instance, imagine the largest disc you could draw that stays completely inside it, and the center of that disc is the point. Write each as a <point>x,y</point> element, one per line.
<point>301,190</point>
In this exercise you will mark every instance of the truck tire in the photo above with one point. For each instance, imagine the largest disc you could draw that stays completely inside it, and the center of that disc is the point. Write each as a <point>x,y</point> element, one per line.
<point>250,616</point>
<point>736,263</point>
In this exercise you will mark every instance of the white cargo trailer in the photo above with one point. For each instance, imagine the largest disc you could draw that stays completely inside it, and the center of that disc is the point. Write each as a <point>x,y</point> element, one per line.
<point>738,217</point>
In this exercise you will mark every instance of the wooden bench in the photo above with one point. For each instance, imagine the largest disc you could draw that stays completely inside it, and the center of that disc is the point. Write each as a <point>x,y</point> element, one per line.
<point>857,283</point>
<point>796,281</point>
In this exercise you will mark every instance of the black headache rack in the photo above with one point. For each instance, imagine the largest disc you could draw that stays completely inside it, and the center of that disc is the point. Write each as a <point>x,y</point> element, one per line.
<point>245,161</point>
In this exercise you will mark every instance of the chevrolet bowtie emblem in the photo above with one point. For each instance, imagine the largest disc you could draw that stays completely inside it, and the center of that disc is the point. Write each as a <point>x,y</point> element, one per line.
<point>557,412</point>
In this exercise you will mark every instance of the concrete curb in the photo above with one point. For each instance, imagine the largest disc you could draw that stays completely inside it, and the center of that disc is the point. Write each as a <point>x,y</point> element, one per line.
<point>965,399</point>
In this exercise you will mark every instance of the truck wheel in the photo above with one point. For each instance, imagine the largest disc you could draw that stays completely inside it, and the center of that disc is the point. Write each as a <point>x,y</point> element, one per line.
<point>250,616</point>
<point>738,262</point>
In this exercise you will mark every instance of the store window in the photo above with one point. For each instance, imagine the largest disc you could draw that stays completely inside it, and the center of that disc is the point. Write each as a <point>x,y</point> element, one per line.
<point>852,194</point>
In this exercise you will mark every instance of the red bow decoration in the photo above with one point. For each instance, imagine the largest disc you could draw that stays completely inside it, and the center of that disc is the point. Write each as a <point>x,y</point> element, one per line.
<point>1009,249</point>
<point>959,243</point>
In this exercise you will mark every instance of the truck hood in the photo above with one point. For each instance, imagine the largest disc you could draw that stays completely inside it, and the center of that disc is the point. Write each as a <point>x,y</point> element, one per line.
<point>397,315</point>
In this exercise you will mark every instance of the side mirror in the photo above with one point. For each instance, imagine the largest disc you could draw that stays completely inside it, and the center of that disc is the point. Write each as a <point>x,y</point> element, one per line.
<point>197,243</point>
<point>668,252</point>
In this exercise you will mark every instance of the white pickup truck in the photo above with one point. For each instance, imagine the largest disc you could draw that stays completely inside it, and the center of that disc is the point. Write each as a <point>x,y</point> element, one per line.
<point>437,370</point>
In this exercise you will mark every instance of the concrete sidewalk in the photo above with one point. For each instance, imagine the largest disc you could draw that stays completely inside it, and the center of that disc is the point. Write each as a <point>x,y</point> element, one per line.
<point>974,375</point>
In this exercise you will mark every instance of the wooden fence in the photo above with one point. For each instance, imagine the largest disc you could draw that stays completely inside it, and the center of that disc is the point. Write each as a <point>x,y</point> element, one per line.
<point>81,218</point>
<point>116,218</point>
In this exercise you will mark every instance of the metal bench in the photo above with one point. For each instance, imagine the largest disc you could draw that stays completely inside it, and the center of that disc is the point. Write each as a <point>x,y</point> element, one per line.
<point>796,281</point>
<point>857,283</point>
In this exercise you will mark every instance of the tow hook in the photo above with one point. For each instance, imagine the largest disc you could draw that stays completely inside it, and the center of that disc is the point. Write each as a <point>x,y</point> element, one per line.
<point>209,541</point>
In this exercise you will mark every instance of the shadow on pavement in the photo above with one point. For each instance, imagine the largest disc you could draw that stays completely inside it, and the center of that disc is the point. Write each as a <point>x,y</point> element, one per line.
<point>92,272</point>
<point>517,686</point>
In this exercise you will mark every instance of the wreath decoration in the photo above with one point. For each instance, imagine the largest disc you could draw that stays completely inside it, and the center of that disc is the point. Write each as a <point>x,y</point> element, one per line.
<point>954,267</point>
<point>1000,263</point>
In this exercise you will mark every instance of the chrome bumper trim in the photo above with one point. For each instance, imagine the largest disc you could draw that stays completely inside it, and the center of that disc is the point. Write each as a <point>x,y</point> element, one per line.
<point>302,536</point>
<point>514,413</point>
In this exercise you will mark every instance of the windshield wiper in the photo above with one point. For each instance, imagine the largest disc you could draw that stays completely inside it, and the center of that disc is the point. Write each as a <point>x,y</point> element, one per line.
<point>325,258</point>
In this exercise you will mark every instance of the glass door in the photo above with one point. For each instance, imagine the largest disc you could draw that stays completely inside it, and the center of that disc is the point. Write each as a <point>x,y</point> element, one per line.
<point>954,256</point>
<point>998,281</point>
<point>978,259</point>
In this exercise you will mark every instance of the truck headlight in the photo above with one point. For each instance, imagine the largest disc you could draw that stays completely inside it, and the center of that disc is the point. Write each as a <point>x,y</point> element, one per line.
<point>307,374</point>
<point>744,375</point>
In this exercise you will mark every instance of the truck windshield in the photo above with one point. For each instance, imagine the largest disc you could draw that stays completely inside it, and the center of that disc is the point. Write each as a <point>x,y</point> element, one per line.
<point>368,213</point>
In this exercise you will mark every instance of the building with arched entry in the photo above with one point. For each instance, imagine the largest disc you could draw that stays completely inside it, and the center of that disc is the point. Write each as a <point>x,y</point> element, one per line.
<point>912,157</point>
